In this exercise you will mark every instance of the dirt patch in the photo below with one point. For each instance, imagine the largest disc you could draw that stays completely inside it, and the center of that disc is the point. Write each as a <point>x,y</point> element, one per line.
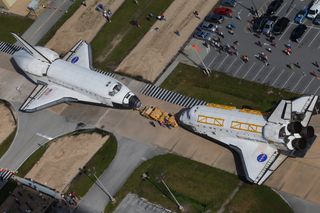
<point>7,124</point>
<point>84,24</point>
<point>157,48</point>
<point>62,160</point>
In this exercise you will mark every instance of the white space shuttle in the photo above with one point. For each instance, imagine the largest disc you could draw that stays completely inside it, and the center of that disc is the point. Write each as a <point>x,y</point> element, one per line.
<point>260,143</point>
<point>70,79</point>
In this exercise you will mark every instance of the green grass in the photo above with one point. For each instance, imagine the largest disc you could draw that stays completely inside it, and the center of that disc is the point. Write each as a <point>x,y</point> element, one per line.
<point>223,89</point>
<point>197,187</point>
<point>100,161</point>
<point>120,35</point>
<point>72,9</point>
<point>12,23</point>
<point>253,198</point>
<point>4,146</point>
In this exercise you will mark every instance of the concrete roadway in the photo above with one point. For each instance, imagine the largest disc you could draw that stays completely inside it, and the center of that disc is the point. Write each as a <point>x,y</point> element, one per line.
<point>46,20</point>
<point>129,124</point>
<point>277,74</point>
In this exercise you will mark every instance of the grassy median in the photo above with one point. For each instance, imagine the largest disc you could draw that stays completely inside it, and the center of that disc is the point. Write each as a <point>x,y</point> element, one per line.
<point>198,187</point>
<point>100,161</point>
<point>4,146</point>
<point>223,89</point>
<point>116,39</point>
<point>13,23</point>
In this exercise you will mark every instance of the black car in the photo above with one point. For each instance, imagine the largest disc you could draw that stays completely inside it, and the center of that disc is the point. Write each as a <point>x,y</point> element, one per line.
<point>274,6</point>
<point>258,23</point>
<point>280,26</point>
<point>298,32</point>
<point>215,18</point>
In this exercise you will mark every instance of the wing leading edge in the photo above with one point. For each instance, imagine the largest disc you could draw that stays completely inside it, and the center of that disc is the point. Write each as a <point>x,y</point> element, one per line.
<point>258,160</point>
<point>45,95</point>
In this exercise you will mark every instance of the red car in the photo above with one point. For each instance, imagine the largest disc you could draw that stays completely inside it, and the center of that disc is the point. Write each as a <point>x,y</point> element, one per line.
<point>223,11</point>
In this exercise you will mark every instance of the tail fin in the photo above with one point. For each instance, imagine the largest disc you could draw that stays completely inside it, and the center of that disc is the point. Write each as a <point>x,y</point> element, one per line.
<point>300,109</point>
<point>31,50</point>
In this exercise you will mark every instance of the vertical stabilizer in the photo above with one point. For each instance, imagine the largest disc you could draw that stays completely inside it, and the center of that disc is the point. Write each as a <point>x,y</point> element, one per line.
<point>31,50</point>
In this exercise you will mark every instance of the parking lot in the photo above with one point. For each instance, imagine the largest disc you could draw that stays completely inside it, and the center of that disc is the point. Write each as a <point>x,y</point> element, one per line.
<point>277,73</point>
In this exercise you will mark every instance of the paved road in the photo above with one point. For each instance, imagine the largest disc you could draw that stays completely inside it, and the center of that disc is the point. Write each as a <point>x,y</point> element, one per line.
<point>46,20</point>
<point>130,154</point>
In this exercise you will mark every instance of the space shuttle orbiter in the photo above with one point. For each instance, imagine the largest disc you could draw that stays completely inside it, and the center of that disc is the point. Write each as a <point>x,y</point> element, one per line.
<point>262,143</point>
<point>70,79</point>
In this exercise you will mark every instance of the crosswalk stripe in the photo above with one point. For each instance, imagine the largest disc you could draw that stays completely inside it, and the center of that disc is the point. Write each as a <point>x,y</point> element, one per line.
<point>163,92</point>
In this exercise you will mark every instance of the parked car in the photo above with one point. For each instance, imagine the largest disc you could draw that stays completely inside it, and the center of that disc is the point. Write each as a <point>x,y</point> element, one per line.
<point>259,23</point>
<point>208,26</point>
<point>215,18</point>
<point>269,24</point>
<point>301,15</point>
<point>316,20</point>
<point>224,11</point>
<point>298,32</point>
<point>314,10</point>
<point>203,35</point>
<point>280,26</point>
<point>228,3</point>
<point>274,6</point>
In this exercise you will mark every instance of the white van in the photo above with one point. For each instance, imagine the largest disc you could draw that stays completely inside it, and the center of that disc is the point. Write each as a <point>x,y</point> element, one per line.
<point>314,10</point>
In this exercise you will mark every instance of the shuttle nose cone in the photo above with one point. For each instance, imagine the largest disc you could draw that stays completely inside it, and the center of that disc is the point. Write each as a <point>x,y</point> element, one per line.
<point>134,102</point>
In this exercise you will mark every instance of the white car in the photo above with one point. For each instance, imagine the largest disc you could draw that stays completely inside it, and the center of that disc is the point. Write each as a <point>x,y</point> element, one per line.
<point>314,10</point>
<point>208,26</point>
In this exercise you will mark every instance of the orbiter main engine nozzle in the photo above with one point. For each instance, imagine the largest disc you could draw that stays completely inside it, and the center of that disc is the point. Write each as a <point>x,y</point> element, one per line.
<point>307,132</point>
<point>294,127</point>
<point>299,143</point>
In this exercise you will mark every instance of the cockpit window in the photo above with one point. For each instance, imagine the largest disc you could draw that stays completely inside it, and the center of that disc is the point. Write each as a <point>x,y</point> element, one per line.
<point>115,89</point>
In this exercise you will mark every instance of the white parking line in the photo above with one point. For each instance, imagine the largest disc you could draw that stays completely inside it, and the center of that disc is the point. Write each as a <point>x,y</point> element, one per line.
<point>316,90</point>
<point>258,73</point>
<point>301,41</point>
<point>278,77</point>
<point>292,7</point>
<point>214,58</point>
<point>314,39</point>
<point>308,85</point>
<point>277,13</point>
<point>222,61</point>
<point>234,74</point>
<point>231,64</point>
<point>297,84</point>
<point>285,31</point>
<point>285,83</point>
<point>268,74</point>
<point>249,70</point>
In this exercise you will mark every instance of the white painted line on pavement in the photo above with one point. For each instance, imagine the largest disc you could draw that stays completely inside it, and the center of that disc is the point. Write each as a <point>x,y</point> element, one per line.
<point>297,84</point>
<point>268,74</point>
<point>301,41</point>
<point>278,77</point>
<point>288,13</point>
<point>308,85</point>
<point>234,74</point>
<point>314,39</point>
<point>231,64</point>
<point>285,31</point>
<point>254,78</point>
<point>315,93</point>
<point>277,13</point>
<point>254,63</point>
<point>285,83</point>
<point>214,58</point>
<point>222,61</point>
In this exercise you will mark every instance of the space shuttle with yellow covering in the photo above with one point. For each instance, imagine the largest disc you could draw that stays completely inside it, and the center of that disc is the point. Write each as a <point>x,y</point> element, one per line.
<point>260,142</point>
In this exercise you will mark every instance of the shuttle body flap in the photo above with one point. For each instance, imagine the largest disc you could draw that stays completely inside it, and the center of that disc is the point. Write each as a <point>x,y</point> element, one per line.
<point>80,54</point>
<point>46,95</point>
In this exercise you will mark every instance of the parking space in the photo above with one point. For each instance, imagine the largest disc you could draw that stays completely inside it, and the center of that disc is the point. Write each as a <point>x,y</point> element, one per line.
<point>279,70</point>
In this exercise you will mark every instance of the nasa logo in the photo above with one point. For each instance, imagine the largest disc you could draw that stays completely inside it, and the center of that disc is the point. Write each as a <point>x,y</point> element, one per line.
<point>262,157</point>
<point>75,60</point>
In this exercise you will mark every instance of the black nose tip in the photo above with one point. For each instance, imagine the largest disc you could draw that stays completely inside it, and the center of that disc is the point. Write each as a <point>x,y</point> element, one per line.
<point>134,102</point>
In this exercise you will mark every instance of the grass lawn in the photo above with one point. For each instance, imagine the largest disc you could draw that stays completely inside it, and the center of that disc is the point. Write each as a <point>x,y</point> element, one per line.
<point>4,146</point>
<point>116,39</point>
<point>197,187</point>
<point>100,161</point>
<point>223,89</point>
<point>253,198</point>
<point>13,23</point>
<point>72,9</point>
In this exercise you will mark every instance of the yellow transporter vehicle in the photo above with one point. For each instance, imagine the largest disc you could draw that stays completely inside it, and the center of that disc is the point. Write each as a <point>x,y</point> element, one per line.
<point>164,118</point>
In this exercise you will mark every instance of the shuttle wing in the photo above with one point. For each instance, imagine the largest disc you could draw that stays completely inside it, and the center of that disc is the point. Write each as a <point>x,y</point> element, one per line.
<point>44,96</point>
<point>80,54</point>
<point>301,108</point>
<point>258,160</point>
